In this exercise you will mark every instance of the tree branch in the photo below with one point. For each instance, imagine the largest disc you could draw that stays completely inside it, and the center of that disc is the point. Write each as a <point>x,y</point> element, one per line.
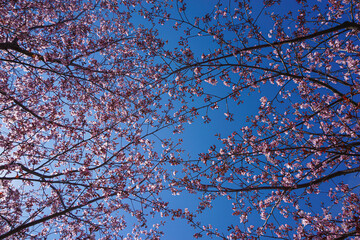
<point>345,25</point>
<point>304,185</point>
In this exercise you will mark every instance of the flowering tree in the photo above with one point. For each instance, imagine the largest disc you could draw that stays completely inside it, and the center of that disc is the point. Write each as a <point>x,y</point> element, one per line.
<point>86,90</point>
<point>80,103</point>
<point>292,171</point>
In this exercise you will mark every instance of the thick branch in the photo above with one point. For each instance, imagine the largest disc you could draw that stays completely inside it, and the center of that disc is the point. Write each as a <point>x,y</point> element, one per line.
<point>349,234</point>
<point>304,185</point>
<point>51,216</point>
<point>345,25</point>
<point>279,73</point>
<point>61,213</point>
<point>26,109</point>
<point>15,46</point>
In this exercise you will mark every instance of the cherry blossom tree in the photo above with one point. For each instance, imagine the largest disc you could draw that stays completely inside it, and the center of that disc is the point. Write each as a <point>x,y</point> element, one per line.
<point>292,171</point>
<point>80,107</point>
<point>88,88</point>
